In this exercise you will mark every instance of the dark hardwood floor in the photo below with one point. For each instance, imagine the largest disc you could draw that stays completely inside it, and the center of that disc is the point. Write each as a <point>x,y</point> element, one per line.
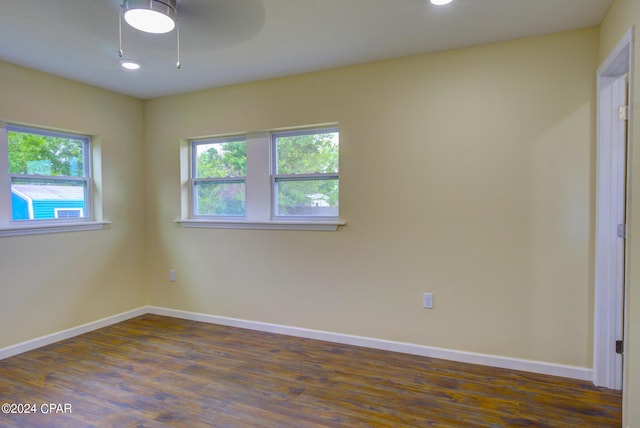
<point>155,371</point>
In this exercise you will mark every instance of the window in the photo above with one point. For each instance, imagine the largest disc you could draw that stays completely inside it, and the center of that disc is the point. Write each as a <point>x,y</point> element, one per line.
<point>219,169</point>
<point>279,180</point>
<point>47,177</point>
<point>68,213</point>
<point>305,173</point>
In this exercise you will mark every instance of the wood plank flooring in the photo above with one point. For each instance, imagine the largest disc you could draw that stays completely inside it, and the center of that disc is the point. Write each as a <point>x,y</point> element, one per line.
<point>155,371</point>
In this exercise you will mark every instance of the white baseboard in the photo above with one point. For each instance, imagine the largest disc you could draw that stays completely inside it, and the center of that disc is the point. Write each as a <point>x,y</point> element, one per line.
<point>30,345</point>
<point>574,372</point>
<point>541,367</point>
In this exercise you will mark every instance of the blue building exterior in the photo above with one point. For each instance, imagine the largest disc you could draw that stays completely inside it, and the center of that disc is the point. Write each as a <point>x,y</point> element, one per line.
<point>19,207</point>
<point>31,202</point>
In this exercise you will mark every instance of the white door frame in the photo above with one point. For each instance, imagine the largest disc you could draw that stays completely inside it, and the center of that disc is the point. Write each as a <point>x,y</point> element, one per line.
<point>612,181</point>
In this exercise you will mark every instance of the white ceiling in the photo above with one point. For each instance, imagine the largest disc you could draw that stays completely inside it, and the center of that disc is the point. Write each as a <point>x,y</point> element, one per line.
<point>232,41</point>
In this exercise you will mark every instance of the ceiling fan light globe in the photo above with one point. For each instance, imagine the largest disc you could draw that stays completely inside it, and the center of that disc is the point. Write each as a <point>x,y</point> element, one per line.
<point>151,16</point>
<point>149,21</point>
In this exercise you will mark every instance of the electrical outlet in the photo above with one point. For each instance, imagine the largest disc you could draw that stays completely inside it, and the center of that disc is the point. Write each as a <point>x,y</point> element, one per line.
<point>427,300</point>
<point>172,275</point>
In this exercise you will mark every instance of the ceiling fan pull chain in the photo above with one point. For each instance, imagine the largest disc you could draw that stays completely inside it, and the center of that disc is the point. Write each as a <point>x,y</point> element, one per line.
<point>120,52</point>
<point>178,65</point>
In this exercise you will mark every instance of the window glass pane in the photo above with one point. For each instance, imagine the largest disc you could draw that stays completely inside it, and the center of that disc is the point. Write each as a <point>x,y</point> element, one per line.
<point>220,198</point>
<point>307,198</point>
<point>37,199</point>
<point>221,159</point>
<point>37,154</point>
<point>307,153</point>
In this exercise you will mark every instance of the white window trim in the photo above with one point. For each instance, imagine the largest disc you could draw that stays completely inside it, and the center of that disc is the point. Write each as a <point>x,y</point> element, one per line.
<point>259,193</point>
<point>43,227</point>
<point>10,227</point>
<point>266,225</point>
<point>195,180</point>
<point>275,178</point>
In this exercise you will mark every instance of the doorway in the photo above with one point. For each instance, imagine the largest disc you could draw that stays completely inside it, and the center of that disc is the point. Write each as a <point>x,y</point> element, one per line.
<point>611,213</point>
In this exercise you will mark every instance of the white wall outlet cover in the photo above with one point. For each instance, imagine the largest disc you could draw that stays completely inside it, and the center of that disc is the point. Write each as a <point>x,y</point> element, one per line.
<point>427,300</point>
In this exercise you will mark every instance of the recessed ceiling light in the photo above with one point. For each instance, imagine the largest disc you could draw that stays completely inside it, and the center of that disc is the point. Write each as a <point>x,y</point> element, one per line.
<point>440,2</point>
<point>129,65</point>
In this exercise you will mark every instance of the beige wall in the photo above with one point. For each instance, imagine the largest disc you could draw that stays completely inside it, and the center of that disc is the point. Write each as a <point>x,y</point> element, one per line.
<point>467,173</point>
<point>49,283</point>
<point>622,15</point>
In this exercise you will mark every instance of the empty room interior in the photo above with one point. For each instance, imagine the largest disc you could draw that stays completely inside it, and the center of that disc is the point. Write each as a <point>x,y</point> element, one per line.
<point>290,197</point>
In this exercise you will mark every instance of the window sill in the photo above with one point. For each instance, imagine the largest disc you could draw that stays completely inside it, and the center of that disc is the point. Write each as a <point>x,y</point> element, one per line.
<point>36,229</point>
<point>331,225</point>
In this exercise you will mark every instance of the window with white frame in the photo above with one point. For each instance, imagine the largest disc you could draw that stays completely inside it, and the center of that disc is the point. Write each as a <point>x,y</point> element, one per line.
<point>265,179</point>
<point>219,170</point>
<point>46,175</point>
<point>305,173</point>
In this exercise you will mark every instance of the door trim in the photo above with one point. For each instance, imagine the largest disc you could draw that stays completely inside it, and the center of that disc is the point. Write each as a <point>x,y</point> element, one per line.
<point>610,282</point>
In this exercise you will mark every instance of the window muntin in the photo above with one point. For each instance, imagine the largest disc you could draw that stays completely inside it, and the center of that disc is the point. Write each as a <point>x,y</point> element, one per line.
<point>305,175</point>
<point>47,170</point>
<point>219,172</point>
